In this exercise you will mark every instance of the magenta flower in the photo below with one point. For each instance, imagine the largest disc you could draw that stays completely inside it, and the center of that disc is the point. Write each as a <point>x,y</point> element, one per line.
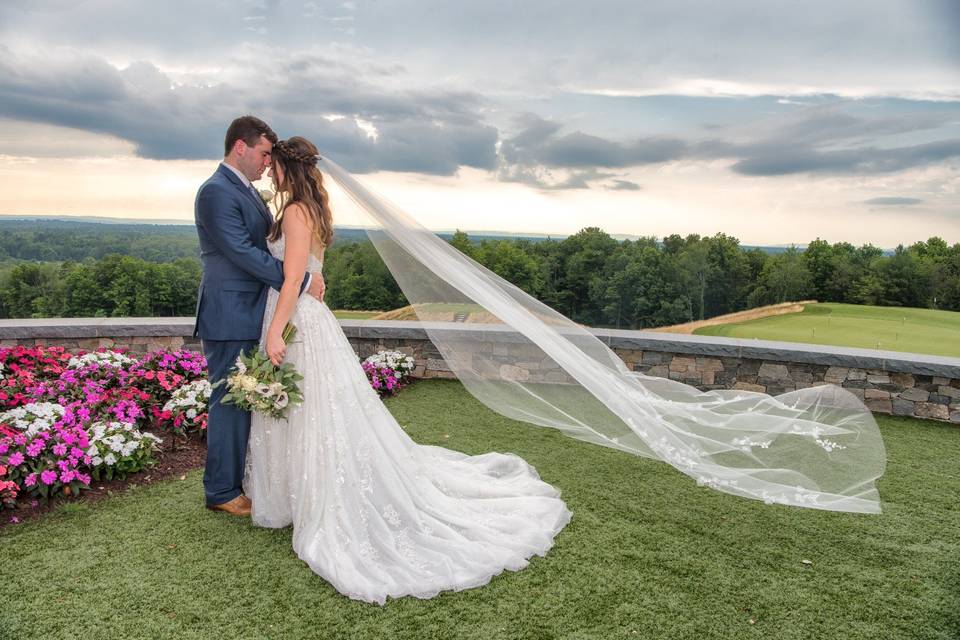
<point>59,449</point>
<point>35,447</point>
<point>48,477</point>
<point>30,480</point>
<point>16,459</point>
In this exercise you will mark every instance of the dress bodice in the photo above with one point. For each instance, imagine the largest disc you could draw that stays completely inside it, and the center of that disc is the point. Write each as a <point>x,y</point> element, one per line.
<point>314,264</point>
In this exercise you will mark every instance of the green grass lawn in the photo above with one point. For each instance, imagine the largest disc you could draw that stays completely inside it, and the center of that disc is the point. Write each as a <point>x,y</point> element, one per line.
<point>647,555</point>
<point>850,325</point>
<point>355,315</point>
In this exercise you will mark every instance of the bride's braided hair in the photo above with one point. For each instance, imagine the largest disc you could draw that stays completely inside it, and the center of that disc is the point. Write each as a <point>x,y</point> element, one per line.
<point>293,152</point>
<point>296,158</point>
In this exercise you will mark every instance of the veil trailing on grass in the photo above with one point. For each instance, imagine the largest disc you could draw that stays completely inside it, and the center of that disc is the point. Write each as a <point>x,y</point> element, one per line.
<point>817,447</point>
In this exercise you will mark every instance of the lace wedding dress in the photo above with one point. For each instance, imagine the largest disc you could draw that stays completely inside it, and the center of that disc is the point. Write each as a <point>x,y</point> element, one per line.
<point>373,512</point>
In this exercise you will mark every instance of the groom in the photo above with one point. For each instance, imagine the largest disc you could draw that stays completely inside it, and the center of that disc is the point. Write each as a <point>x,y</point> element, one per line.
<point>232,222</point>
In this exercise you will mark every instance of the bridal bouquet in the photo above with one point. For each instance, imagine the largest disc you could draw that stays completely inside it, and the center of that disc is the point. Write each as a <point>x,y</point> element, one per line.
<point>255,384</point>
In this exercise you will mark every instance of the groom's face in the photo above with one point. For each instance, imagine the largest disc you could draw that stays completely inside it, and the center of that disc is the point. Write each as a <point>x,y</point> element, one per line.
<point>253,160</point>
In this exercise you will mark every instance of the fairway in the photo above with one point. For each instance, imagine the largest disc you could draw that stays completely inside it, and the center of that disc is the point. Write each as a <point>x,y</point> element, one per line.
<point>849,325</point>
<point>341,314</point>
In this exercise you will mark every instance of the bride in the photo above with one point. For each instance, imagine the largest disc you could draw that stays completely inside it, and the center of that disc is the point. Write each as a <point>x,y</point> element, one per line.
<point>378,515</point>
<point>373,512</point>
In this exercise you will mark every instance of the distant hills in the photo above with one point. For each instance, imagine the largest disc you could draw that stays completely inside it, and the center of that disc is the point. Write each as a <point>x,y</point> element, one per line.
<point>344,233</point>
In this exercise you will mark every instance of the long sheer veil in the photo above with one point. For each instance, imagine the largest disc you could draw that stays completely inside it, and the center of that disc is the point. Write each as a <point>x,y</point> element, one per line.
<point>817,447</point>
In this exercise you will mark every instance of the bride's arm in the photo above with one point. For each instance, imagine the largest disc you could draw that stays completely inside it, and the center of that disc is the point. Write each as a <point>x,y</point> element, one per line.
<point>297,236</point>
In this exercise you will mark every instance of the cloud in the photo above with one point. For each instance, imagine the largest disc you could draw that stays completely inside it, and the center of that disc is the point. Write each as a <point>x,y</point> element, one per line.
<point>623,185</point>
<point>426,131</point>
<point>893,201</point>
<point>858,160</point>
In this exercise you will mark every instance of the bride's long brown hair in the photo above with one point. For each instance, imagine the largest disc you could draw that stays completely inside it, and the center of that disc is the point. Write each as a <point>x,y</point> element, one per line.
<point>302,183</point>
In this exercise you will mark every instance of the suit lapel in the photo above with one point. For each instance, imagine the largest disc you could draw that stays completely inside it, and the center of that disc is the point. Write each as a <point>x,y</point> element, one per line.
<point>261,207</point>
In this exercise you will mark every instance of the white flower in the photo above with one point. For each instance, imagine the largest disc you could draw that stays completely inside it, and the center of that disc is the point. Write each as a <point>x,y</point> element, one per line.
<point>108,358</point>
<point>96,461</point>
<point>282,400</point>
<point>248,383</point>
<point>109,459</point>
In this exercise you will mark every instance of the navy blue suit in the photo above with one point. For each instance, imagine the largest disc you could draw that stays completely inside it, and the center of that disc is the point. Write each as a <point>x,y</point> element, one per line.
<point>232,224</point>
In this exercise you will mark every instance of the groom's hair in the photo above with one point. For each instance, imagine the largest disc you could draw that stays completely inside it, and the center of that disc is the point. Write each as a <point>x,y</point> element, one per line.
<point>249,129</point>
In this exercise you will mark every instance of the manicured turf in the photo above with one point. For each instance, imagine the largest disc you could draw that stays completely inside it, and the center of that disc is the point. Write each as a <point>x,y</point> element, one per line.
<point>850,325</point>
<point>647,555</point>
<point>355,315</point>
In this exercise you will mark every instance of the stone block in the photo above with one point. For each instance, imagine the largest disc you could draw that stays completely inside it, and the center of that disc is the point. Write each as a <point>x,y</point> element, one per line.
<point>902,379</point>
<point>836,375</point>
<point>858,393</point>
<point>936,398</point>
<point>711,364</point>
<point>746,386</point>
<point>749,367</point>
<point>777,389</point>
<point>955,416</point>
<point>437,364</point>
<point>854,384</point>
<point>681,363</point>
<point>914,394</point>
<point>708,377</point>
<point>879,406</point>
<point>902,407</point>
<point>654,357</point>
<point>878,379</point>
<point>659,371</point>
<point>950,392</point>
<point>931,410</point>
<point>857,374</point>
<point>875,394</point>
<point>937,380</point>
<point>773,371</point>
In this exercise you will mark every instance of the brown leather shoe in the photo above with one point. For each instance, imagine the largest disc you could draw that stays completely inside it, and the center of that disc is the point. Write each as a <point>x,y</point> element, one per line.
<point>246,501</point>
<point>236,507</point>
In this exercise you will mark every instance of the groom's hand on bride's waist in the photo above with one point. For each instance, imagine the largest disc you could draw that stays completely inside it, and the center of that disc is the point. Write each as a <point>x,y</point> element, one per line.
<point>317,286</point>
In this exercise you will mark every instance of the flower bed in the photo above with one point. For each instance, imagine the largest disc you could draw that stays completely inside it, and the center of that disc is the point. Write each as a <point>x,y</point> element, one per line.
<point>67,420</point>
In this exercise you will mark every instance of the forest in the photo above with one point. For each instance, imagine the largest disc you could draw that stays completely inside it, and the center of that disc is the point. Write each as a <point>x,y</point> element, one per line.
<point>84,270</point>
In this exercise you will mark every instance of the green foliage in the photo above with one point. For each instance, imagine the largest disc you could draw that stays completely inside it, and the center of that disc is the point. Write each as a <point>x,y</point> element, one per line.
<point>589,276</point>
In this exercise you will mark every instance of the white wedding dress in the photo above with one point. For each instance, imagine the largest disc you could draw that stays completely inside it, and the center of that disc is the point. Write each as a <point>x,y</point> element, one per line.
<point>373,512</point>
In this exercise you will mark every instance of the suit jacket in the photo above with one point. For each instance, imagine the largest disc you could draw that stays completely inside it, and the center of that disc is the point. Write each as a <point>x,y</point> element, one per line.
<point>232,224</point>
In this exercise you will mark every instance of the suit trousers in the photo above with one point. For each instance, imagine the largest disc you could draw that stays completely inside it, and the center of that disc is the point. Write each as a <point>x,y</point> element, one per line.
<point>228,428</point>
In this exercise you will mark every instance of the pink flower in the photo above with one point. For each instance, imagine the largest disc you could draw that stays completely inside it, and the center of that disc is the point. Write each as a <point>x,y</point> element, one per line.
<point>16,459</point>
<point>4,447</point>
<point>30,480</point>
<point>83,477</point>
<point>35,447</point>
<point>48,477</point>
<point>67,476</point>
<point>59,449</point>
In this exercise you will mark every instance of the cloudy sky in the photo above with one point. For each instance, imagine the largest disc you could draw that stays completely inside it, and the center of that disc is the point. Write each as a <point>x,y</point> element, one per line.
<point>774,121</point>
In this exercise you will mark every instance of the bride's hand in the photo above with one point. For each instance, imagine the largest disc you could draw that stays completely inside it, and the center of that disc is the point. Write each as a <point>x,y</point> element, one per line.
<point>276,349</point>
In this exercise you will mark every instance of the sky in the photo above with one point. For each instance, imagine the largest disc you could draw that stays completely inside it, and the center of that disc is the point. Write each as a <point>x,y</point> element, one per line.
<point>776,122</point>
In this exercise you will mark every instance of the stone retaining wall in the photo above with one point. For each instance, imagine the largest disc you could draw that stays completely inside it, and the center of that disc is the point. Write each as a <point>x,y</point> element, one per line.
<point>888,382</point>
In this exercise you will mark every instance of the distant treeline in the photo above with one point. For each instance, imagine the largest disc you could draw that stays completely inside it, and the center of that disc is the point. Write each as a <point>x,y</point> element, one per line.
<point>589,277</point>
